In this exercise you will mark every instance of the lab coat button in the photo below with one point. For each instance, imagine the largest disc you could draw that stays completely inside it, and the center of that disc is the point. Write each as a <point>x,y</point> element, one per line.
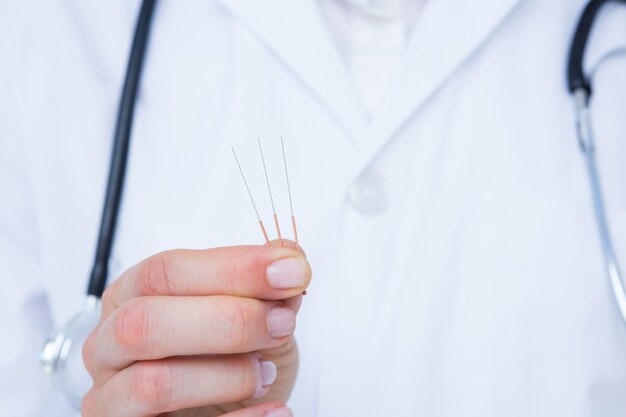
<point>367,194</point>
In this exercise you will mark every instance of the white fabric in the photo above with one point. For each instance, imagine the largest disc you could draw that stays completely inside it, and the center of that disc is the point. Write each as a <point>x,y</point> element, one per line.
<point>372,36</point>
<point>457,270</point>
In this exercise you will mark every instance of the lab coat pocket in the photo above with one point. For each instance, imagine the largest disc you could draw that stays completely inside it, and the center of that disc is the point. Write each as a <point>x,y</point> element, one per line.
<point>544,330</point>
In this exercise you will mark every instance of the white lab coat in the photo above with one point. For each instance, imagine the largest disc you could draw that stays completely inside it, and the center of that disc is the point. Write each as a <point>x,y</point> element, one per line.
<point>457,270</point>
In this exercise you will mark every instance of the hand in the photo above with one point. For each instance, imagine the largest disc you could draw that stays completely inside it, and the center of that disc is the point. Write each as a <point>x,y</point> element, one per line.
<point>198,333</point>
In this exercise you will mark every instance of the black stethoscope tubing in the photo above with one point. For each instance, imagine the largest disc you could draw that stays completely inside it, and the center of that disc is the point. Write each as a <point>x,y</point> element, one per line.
<point>119,157</point>
<point>576,77</point>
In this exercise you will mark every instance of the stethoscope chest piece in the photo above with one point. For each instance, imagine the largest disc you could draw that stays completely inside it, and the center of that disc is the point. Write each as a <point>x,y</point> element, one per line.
<point>61,356</point>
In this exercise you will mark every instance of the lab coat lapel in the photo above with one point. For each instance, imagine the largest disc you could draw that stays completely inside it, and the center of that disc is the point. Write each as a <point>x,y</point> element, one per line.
<point>447,34</point>
<point>296,32</point>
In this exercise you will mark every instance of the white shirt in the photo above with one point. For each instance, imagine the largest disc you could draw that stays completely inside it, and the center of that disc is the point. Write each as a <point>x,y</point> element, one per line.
<point>456,265</point>
<point>372,36</point>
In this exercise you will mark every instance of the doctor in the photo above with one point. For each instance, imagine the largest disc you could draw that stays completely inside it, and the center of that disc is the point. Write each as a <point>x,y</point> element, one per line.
<point>440,194</point>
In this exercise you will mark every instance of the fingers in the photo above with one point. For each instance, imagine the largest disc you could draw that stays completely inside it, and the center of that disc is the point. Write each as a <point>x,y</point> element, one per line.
<point>262,410</point>
<point>154,387</point>
<point>148,328</point>
<point>264,272</point>
<point>174,330</point>
<point>286,243</point>
<point>294,303</point>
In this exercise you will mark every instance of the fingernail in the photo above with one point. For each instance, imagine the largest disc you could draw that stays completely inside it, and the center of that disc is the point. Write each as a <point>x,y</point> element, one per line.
<point>281,321</point>
<point>268,372</point>
<point>279,412</point>
<point>287,273</point>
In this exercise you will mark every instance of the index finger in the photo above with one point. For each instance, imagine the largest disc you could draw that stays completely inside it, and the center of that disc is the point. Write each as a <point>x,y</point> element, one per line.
<point>263,272</point>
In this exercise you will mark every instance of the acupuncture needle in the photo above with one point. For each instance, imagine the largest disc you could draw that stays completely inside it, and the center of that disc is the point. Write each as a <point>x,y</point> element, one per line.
<point>269,189</point>
<point>293,218</point>
<point>251,199</point>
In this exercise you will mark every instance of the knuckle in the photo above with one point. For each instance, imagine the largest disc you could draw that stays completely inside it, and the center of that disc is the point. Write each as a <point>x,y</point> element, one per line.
<point>109,297</point>
<point>155,275</point>
<point>88,353</point>
<point>152,385</point>
<point>235,272</point>
<point>132,327</point>
<point>239,324</point>
<point>244,376</point>
<point>87,404</point>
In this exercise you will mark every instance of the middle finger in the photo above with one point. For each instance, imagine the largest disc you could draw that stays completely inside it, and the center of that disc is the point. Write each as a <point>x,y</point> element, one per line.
<point>157,327</point>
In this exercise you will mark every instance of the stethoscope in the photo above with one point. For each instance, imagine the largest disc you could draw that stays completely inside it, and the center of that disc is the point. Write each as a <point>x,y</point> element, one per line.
<point>61,357</point>
<point>580,87</point>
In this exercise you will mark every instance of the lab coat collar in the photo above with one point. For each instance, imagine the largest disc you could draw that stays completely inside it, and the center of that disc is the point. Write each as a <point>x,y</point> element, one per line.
<point>297,33</point>
<point>446,36</point>
<point>448,32</point>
